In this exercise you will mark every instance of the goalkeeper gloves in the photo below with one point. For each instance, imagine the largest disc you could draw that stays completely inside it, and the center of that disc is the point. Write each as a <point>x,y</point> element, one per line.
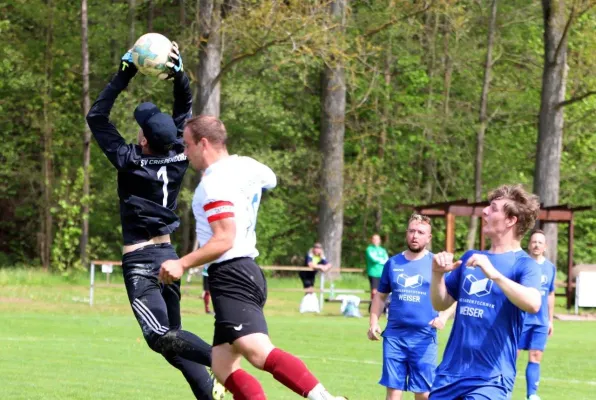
<point>175,65</point>
<point>127,68</point>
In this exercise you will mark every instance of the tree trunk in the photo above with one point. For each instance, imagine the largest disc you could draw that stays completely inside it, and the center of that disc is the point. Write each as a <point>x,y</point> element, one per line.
<point>551,119</point>
<point>86,133</point>
<point>113,43</point>
<point>230,6</point>
<point>150,12</point>
<point>429,162</point>
<point>383,137</point>
<point>187,222</point>
<point>333,107</point>
<point>47,131</point>
<point>132,36</point>
<point>448,63</point>
<point>483,121</point>
<point>208,102</point>
<point>182,16</point>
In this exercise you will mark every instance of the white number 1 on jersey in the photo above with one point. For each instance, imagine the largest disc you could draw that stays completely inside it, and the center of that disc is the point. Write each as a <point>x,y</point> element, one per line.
<point>163,173</point>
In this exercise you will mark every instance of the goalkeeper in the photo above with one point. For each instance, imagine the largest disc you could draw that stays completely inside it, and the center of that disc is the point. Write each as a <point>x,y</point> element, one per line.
<point>150,174</point>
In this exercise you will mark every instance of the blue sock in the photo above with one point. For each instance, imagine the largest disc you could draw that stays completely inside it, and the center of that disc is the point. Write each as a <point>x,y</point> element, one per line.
<point>532,378</point>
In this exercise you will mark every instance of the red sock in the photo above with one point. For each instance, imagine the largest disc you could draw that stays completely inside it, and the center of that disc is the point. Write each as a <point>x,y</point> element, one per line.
<point>290,371</point>
<point>244,386</point>
<point>207,299</point>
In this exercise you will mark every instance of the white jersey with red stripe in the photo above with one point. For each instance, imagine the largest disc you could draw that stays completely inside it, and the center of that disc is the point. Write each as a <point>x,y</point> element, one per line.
<point>232,188</point>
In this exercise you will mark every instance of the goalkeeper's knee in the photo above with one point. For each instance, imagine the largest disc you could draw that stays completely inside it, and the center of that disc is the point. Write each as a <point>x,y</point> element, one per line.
<point>162,344</point>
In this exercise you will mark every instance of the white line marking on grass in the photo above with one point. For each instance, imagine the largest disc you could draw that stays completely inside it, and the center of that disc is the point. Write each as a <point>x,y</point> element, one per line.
<point>58,339</point>
<point>573,381</point>
<point>369,362</point>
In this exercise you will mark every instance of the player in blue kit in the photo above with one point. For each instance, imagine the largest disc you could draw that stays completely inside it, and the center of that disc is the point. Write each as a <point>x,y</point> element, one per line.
<point>410,338</point>
<point>494,290</point>
<point>537,327</point>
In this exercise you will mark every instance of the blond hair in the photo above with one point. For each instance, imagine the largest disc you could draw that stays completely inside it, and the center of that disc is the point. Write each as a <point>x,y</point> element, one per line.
<point>208,127</point>
<point>420,218</point>
<point>521,204</point>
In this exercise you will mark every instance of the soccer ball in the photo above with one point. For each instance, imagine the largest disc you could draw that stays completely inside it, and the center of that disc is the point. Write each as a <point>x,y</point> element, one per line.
<point>150,54</point>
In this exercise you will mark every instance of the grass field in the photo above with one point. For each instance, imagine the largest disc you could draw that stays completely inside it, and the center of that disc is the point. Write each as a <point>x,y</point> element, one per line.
<point>54,346</point>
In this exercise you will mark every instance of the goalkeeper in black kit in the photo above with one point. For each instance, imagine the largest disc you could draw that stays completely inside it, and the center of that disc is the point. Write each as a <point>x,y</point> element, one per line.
<point>150,174</point>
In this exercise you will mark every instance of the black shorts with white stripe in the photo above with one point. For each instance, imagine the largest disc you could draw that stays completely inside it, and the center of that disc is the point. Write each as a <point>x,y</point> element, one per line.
<point>156,306</point>
<point>157,309</point>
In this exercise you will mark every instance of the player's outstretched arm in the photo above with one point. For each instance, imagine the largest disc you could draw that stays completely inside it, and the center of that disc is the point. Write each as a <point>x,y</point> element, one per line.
<point>182,92</point>
<point>107,136</point>
<point>440,297</point>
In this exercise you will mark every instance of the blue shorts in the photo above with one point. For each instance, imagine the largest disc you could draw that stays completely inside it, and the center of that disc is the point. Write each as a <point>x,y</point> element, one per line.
<point>533,337</point>
<point>409,365</point>
<point>451,388</point>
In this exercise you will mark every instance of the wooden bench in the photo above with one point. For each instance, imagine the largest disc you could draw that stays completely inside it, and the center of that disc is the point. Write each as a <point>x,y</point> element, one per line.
<point>295,268</point>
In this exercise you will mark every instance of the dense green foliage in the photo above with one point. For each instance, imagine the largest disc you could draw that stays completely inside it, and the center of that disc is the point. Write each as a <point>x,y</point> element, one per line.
<point>413,82</point>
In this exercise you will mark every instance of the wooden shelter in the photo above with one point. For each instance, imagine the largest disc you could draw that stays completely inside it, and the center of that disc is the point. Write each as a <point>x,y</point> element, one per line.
<point>462,208</point>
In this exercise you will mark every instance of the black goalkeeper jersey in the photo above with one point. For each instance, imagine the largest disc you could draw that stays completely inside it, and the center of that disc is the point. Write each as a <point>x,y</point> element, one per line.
<point>148,186</point>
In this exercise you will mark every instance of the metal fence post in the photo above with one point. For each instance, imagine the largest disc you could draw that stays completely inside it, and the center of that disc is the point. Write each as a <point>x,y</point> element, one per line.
<point>322,292</point>
<point>92,281</point>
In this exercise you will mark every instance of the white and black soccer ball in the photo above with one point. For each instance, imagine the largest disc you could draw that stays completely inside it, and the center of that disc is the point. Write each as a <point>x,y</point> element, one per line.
<point>150,54</point>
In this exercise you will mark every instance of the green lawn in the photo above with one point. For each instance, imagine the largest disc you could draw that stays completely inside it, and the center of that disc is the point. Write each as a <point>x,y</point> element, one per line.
<point>54,346</point>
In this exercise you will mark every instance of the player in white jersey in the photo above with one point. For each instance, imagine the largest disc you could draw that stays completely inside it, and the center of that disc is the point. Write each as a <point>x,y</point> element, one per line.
<point>225,206</point>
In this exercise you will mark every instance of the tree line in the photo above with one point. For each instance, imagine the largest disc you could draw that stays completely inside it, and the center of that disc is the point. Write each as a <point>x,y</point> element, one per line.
<point>360,107</point>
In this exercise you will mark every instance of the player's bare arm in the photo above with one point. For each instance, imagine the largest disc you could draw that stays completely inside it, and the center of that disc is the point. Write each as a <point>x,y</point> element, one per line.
<point>376,310</point>
<point>224,233</point>
<point>320,267</point>
<point>440,322</point>
<point>551,313</point>
<point>442,263</point>
<point>525,298</point>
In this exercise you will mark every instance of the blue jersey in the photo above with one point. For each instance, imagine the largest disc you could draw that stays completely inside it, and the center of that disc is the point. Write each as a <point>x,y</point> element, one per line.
<point>483,341</point>
<point>547,286</point>
<point>409,285</point>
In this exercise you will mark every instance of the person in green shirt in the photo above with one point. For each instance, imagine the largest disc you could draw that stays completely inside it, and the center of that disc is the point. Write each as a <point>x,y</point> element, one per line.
<point>376,257</point>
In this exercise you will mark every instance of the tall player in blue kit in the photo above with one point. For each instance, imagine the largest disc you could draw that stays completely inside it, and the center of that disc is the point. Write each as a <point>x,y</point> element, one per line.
<point>494,290</point>
<point>537,327</point>
<point>410,338</point>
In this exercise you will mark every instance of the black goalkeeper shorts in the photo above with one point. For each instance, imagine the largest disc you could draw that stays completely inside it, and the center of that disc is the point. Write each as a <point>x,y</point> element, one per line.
<point>155,305</point>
